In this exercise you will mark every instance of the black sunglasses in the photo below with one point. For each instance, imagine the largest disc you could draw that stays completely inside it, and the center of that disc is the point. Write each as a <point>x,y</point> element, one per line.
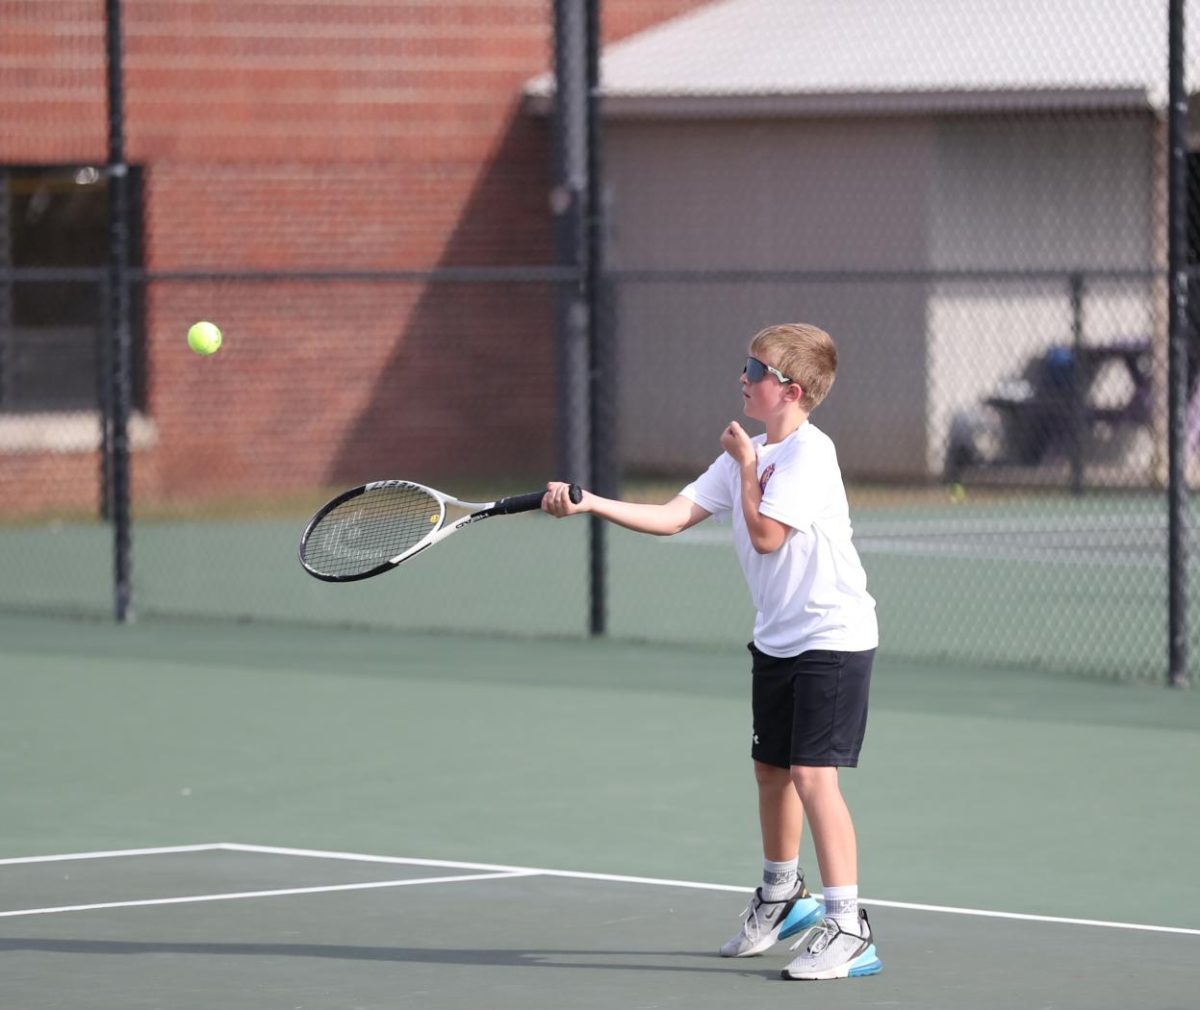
<point>756,371</point>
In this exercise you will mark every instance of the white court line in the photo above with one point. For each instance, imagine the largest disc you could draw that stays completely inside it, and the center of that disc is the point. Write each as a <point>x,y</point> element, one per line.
<point>67,856</point>
<point>239,895</point>
<point>358,857</point>
<point>492,871</point>
<point>618,878</point>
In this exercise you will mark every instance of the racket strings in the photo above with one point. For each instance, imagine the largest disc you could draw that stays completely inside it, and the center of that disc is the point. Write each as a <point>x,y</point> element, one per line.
<point>364,532</point>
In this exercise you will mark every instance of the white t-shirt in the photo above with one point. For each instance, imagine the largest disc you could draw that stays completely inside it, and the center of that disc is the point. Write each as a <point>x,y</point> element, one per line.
<point>811,593</point>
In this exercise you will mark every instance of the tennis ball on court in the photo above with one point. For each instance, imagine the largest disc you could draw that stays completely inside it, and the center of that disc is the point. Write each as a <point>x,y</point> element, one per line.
<point>957,492</point>
<point>204,338</point>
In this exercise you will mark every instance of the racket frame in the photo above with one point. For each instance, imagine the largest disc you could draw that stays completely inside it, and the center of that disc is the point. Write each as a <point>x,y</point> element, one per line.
<point>476,511</point>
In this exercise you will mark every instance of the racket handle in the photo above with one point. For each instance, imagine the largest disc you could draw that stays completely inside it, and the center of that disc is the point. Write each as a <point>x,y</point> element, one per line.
<point>531,501</point>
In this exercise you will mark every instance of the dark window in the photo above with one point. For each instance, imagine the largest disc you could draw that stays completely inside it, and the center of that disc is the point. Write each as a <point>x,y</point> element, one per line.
<point>51,327</point>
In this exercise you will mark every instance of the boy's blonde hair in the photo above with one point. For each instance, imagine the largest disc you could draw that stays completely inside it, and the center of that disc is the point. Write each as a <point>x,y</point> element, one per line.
<point>804,353</point>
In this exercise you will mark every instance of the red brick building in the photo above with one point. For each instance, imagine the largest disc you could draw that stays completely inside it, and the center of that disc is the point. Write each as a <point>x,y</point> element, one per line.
<point>310,136</point>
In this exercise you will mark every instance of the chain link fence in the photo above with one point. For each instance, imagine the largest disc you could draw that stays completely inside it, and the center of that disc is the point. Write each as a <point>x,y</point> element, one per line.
<point>380,207</point>
<point>972,199</point>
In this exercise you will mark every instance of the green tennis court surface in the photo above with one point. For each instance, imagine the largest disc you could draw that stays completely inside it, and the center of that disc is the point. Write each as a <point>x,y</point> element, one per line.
<point>1055,583</point>
<point>554,787</point>
<point>252,927</point>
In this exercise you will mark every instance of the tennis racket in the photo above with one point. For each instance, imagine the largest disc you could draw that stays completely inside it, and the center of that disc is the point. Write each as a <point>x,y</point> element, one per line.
<point>372,528</point>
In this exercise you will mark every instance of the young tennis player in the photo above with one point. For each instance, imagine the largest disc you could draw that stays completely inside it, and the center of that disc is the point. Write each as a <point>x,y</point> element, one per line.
<point>815,636</point>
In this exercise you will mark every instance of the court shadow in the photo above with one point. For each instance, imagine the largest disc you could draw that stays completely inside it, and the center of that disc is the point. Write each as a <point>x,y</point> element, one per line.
<point>499,958</point>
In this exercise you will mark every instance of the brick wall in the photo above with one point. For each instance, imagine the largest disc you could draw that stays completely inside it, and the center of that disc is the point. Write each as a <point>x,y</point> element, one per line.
<point>283,136</point>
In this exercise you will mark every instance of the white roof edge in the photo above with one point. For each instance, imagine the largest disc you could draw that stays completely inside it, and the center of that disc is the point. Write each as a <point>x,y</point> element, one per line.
<point>539,101</point>
<point>822,57</point>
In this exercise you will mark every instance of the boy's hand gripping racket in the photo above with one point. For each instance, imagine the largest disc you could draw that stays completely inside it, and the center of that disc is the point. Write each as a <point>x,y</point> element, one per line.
<point>370,529</point>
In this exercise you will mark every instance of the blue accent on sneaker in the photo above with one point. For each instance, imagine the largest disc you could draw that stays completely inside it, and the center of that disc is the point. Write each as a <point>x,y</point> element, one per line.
<point>806,912</point>
<point>867,963</point>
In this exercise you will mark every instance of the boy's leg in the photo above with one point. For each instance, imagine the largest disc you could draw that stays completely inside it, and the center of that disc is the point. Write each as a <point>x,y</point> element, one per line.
<point>781,822</point>
<point>829,823</point>
<point>831,711</point>
<point>830,697</point>
<point>773,916</point>
<point>781,817</point>
<point>780,813</point>
<point>774,913</point>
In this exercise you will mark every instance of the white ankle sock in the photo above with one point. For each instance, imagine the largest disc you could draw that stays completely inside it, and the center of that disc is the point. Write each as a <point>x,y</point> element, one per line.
<point>841,905</point>
<point>779,879</point>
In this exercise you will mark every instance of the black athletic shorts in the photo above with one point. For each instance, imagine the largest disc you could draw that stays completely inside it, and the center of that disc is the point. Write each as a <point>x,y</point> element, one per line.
<point>810,709</point>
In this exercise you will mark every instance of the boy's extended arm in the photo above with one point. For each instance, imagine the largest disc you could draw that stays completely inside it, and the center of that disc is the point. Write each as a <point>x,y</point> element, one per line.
<point>674,516</point>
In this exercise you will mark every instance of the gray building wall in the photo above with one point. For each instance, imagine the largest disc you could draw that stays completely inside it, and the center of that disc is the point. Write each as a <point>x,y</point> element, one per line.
<point>905,194</point>
<point>1057,194</point>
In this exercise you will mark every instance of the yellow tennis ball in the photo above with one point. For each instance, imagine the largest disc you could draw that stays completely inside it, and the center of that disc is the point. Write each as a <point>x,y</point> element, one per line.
<point>204,338</point>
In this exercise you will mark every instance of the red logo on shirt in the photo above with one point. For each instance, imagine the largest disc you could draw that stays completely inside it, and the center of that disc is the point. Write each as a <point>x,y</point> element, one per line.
<point>764,477</point>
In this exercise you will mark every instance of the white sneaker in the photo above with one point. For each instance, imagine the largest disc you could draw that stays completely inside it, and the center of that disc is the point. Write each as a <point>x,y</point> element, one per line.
<point>768,922</point>
<point>831,952</point>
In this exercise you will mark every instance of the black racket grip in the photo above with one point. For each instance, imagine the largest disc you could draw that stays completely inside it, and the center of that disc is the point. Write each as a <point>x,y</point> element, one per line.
<point>531,501</point>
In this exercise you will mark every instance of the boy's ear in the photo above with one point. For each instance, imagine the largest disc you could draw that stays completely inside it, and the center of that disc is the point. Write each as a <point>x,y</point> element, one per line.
<point>794,392</point>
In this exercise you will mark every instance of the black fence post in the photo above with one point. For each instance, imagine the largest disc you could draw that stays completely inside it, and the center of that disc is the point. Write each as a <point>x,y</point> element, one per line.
<point>568,204</point>
<point>602,360</point>
<point>1177,673</point>
<point>118,318</point>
